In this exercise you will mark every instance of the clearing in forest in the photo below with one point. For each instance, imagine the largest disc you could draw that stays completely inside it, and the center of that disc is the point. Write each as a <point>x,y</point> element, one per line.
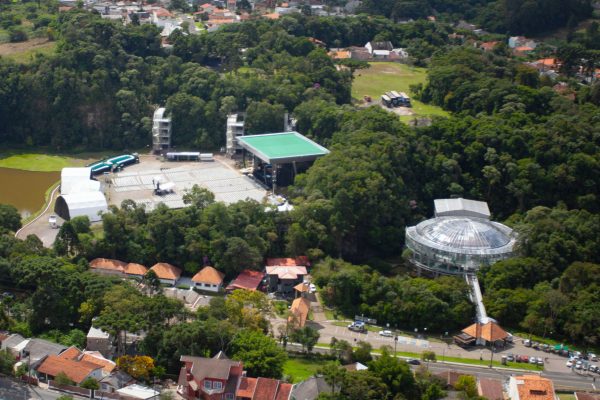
<point>23,52</point>
<point>382,77</point>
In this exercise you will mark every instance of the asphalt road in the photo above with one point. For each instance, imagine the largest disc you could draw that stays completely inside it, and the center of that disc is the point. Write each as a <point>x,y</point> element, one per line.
<point>12,390</point>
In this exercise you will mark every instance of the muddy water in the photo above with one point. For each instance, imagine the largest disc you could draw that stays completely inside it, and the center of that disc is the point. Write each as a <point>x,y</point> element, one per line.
<point>25,189</point>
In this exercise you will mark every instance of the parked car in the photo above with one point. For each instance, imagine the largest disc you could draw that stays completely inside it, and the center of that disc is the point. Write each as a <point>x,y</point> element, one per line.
<point>569,364</point>
<point>357,326</point>
<point>540,362</point>
<point>532,360</point>
<point>527,342</point>
<point>578,365</point>
<point>535,345</point>
<point>545,347</point>
<point>510,357</point>
<point>386,333</point>
<point>593,368</point>
<point>593,357</point>
<point>524,359</point>
<point>414,361</point>
<point>312,288</point>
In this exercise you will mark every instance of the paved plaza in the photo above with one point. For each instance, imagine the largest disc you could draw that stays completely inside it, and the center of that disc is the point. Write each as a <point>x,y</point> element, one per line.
<point>136,182</point>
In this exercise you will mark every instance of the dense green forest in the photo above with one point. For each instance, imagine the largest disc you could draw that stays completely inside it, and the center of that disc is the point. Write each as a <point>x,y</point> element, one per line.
<point>499,16</point>
<point>512,141</point>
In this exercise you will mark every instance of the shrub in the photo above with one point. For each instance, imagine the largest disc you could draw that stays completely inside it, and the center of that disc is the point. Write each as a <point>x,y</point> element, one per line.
<point>17,35</point>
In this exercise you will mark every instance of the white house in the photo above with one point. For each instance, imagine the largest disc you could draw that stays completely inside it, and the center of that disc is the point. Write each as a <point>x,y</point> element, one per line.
<point>209,279</point>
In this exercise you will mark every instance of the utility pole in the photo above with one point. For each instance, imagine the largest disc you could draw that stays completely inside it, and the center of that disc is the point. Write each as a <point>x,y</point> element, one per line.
<point>491,355</point>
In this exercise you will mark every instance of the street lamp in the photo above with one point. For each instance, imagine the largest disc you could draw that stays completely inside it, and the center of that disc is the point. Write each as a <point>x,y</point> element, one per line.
<point>395,344</point>
<point>491,355</point>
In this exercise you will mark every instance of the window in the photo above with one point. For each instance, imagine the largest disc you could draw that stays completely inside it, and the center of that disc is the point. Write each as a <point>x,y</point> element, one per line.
<point>207,384</point>
<point>217,385</point>
<point>228,396</point>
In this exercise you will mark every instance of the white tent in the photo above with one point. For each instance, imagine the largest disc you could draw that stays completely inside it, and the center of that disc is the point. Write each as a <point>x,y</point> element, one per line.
<point>77,180</point>
<point>81,203</point>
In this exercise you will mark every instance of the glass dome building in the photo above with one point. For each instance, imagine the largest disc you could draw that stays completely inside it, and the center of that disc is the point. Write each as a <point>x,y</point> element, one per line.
<point>458,244</point>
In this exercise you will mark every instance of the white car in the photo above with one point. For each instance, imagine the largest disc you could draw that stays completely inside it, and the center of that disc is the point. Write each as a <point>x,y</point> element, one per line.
<point>52,221</point>
<point>312,288</point>
<point>579,365</point>
<point>592,357</point>
<point>569,363</point>
<point>386,333</point>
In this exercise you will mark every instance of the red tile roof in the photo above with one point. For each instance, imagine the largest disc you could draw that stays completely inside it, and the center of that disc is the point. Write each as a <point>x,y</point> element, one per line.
<point>288,262</point>
<point>285,272</point>
<point>72,353</point>
<point>135,269</point>
<point>107,264</point>
<point>534,387</point>
<point>166,271</point>
<point>107,365</point>
<point>209,275</point>
<point>490,332</point>
<point>77,371</point>
<point>247,387</point>
<point>247,279</point>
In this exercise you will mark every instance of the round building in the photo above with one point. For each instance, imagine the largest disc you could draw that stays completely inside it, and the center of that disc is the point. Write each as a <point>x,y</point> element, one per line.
<point>459,239</point>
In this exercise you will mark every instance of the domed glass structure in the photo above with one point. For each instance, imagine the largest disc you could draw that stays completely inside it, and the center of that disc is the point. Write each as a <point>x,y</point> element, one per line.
<point>458,244</point>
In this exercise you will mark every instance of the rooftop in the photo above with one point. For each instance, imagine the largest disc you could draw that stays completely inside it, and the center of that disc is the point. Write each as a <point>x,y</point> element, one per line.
<point>166,271</point>
<point>534,387</point>
<point>209,275</point>
<point>461,207</point>
<point>77,371</point>
<point>286,272</point>
<point>247,279</point>
<point>490,331</point>
<point>215,368</point>
<point>282,147</point>
<point>138,392</point>
<point>299,309</point>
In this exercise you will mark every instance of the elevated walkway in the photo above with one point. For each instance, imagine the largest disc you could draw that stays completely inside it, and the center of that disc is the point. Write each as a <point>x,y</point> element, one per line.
<point>477,298</point>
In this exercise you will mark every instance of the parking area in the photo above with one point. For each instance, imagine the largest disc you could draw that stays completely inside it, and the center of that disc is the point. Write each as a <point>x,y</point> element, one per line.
<point>137,181</point>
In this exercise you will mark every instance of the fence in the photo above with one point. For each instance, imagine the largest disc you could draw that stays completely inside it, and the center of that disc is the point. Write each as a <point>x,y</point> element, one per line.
<point>70,389</point>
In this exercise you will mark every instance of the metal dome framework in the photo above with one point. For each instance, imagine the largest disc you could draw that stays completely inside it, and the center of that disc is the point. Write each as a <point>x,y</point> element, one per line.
<point>458,244</point>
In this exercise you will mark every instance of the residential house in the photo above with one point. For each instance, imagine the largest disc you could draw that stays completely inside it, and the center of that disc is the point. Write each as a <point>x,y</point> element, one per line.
<point>522,51</point>
<point>299,312</point>
<point>379,49</point>
<point>107,266</point>
<point>297,261</point>
<point>302,289</point>
<point>310,388</point>
<point>521,41</point>
<point>490,389</point>
<point>263,389</point>
<point>37,349</point>
<point>76,370</point>
<point>140,392</point>
<point>166,273</point>
<point>248,280</point>
<point>482,334</point>
<point>488,46</point>
<point>100,341</point>
<point>14,344</point>
<point>283,278</point>
<point>530,387</point>
<point>340,54</point>
<point>209,378</point>
<point>115,381</point>
<point>95,357</point>
<point>208,278</point>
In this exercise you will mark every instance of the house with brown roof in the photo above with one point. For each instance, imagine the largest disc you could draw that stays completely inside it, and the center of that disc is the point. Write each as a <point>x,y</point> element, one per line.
<point>488,46</point>
<point>263,389</point>
<point>491,389</point>
<point>299,312</point>
<point>209,378</point>
<point>208,278</point>
<point>76,370</point>
<point>482,334</point>
<point>166,273</point>
<point>283,278</point>
<point>301,261</point>
<point>108,266</point>
<point>247,280</point>
<point>530,387</point>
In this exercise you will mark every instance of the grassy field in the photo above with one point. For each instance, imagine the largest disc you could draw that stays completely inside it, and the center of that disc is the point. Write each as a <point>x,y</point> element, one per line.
<point>24,54</point>
<point>385,76</point>
<point>566,396</point>
<point>38,162</point>
<point>300,368</point>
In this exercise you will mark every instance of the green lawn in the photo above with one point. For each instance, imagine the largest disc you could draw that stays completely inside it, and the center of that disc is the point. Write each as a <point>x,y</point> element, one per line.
<point>382,77</point>
<point>460,360</point>
<point>26,56</point>
<point>300,369</point>
<point>566,396</point>
<point>37,162</point>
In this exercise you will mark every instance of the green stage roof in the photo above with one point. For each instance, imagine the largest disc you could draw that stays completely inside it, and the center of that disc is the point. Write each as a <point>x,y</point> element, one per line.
<point>286,147</point>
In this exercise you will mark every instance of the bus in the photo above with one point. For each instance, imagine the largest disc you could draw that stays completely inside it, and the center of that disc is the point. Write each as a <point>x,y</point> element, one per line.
<point>386,101</point>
